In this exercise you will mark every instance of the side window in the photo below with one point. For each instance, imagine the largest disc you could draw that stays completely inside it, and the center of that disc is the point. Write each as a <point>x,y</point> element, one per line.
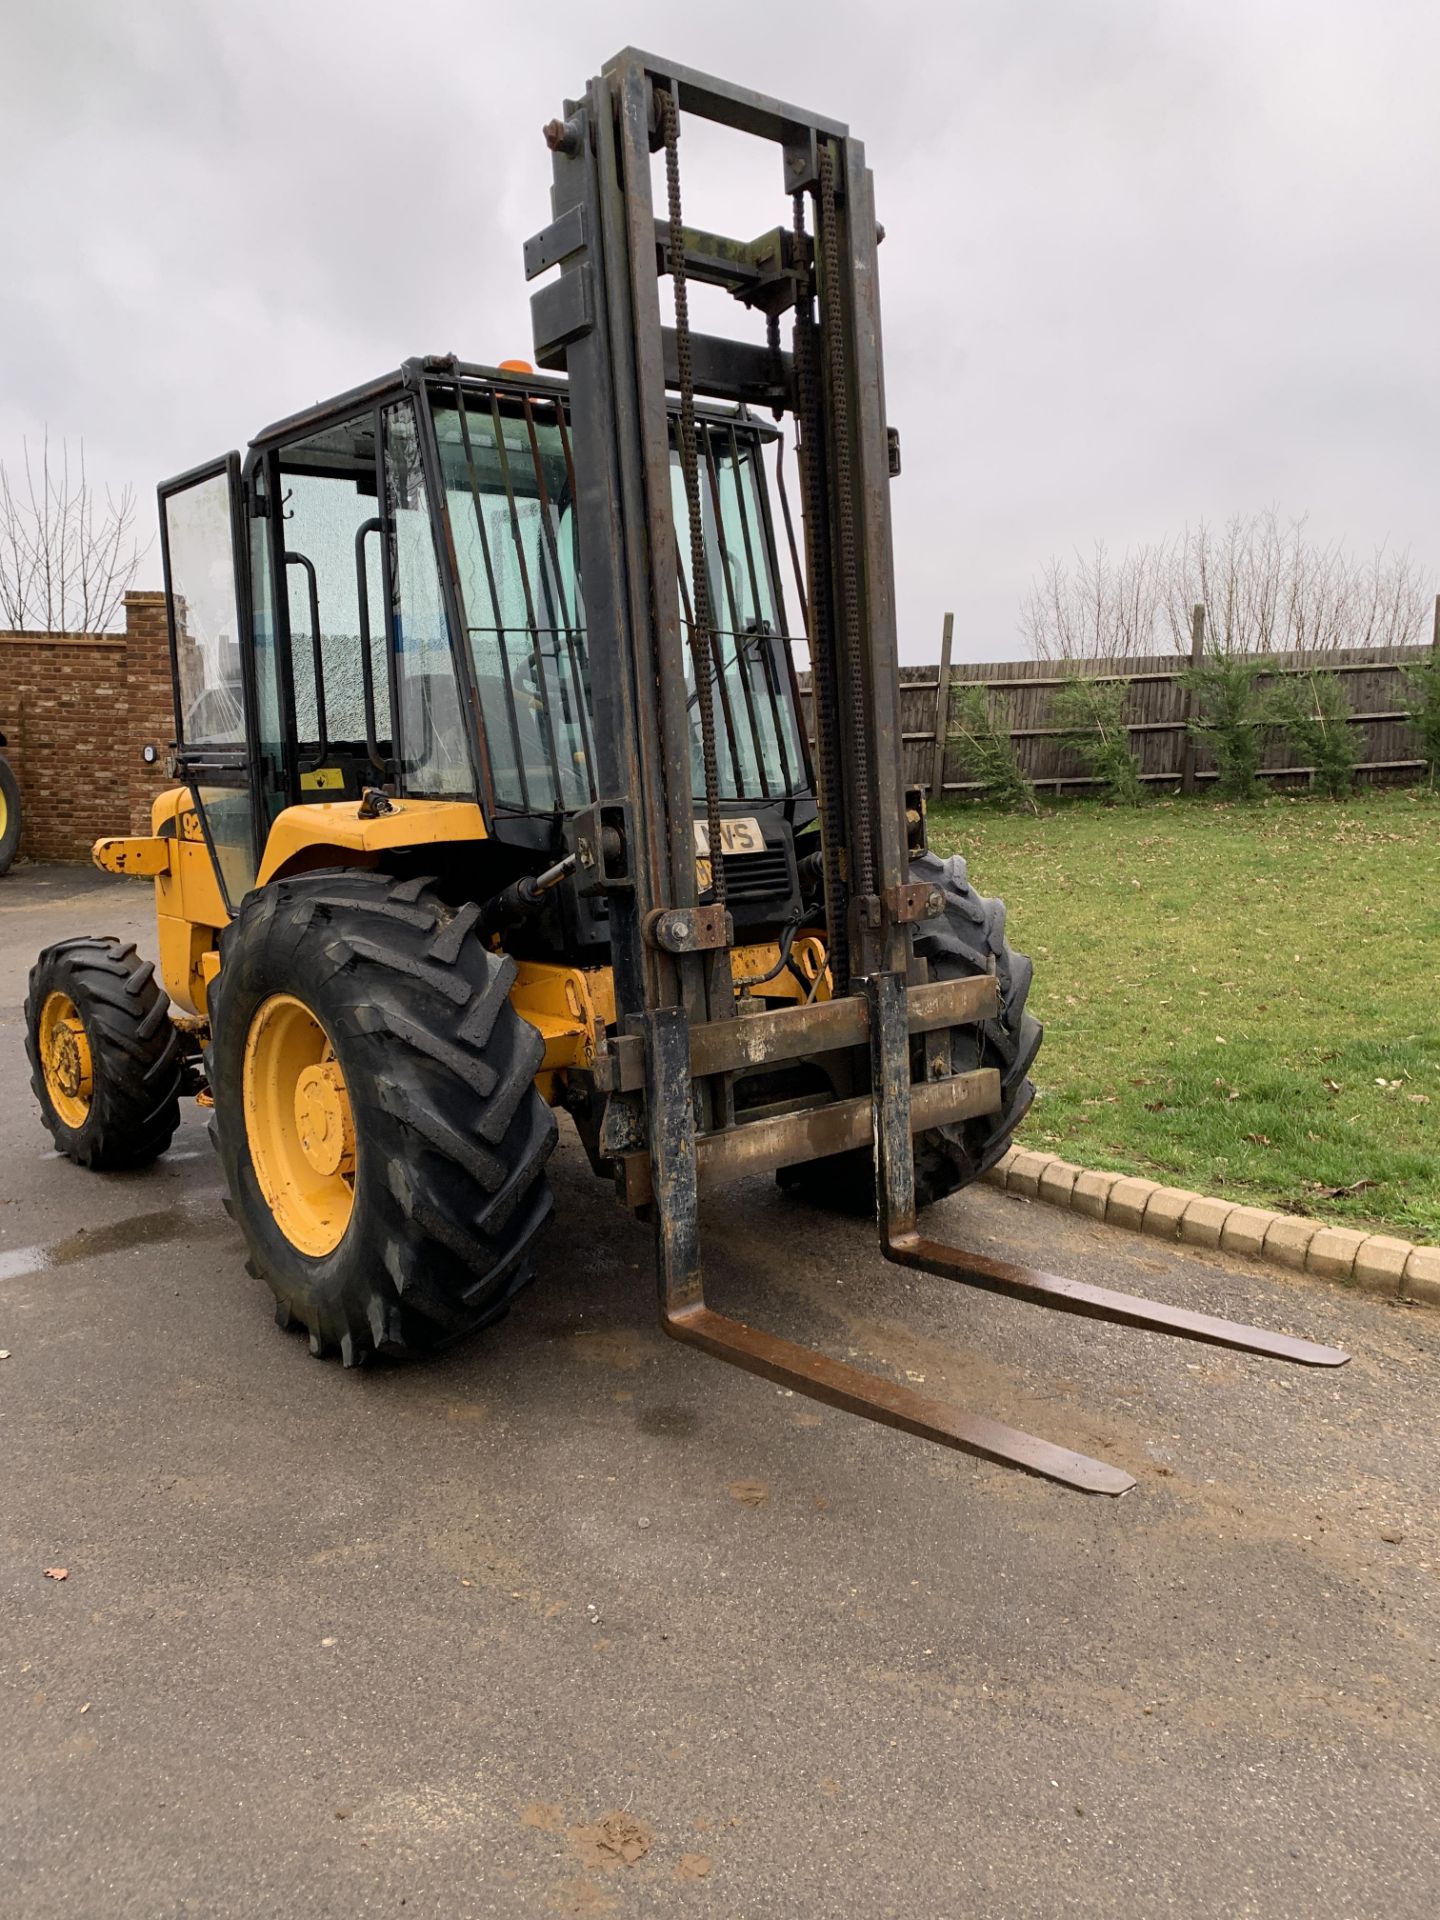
<point>330,530</point>
<point>432,734</point>
<point>198,522</point>
<point>201,583</point>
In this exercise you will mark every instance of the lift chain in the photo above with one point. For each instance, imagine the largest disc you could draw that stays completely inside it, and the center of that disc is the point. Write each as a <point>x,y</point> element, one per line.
<point>772,344</point>
<point>862,870</point>
<point>701,623</point>
<point>789,520</point>
<point>825,698</point>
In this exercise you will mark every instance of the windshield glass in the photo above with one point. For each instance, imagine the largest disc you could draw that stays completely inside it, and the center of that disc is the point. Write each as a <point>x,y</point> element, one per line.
<point>509,481</point>
<point>755,733</point>
<point>506,473</point>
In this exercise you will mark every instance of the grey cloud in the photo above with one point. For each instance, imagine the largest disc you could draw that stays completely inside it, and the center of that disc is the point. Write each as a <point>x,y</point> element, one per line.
<point>1144,262</point>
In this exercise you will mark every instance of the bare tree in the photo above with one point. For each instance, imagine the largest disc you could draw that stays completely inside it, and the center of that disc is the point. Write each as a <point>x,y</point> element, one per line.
<point>1097,608</point>
<point>1391,601</point>
<point>1238,574</point>
<point>1266,584</point>
<point>66,558</point>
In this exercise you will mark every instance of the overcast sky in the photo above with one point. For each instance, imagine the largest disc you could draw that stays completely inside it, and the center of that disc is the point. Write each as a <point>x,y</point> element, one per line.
<point>1144,262</point>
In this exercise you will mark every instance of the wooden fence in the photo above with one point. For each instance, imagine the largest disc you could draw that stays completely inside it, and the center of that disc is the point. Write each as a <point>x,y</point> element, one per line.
<point>1157,709</point>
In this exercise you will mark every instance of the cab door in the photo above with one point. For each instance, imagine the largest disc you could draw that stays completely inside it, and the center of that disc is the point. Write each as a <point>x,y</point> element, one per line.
<point>203,546</point>
<point>354,649</point>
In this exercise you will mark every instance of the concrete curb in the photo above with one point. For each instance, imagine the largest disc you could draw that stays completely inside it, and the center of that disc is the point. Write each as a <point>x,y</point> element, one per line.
<point>1375,1262</point>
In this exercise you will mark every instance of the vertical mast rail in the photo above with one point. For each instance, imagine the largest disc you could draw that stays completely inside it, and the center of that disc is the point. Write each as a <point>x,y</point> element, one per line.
<point>703,638</point>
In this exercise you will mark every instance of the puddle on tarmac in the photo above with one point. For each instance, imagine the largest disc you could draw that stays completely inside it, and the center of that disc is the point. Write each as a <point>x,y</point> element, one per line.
<point>118,1236</point>
<point>675,1422</point>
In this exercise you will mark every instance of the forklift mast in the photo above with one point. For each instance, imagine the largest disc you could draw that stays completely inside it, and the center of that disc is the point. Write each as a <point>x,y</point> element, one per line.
<point>600,321</point>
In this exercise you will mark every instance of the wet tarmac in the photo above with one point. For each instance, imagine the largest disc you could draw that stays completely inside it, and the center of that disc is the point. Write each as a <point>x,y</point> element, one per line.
<point>574,1620</point>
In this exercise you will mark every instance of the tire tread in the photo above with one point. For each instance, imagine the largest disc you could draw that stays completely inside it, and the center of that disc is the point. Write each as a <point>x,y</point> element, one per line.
<point>441,1071</point>
<point>134,1048</point>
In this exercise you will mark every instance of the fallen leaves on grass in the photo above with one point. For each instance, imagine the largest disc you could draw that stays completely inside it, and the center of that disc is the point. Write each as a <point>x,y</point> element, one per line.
<point>1338,1193</point>
<point>1300,1055</point>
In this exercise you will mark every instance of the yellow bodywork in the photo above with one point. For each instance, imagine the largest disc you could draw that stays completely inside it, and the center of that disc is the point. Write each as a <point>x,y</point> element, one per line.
<point>571,1007</point>
<point>189,906</point>
<point>333,833</point>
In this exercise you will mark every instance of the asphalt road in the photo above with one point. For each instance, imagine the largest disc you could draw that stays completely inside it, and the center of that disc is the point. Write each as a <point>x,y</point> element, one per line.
<point>397,1641</point>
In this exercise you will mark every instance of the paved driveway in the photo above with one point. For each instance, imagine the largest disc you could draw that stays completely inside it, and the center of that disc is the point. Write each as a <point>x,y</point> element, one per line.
<point>400,1641</point>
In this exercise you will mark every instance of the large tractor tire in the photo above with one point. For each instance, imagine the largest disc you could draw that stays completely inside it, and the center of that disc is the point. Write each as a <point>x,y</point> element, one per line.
<point>9,814</point>
<point>376,1113</point>
<point>968,939</point>
<point>104,1054</point>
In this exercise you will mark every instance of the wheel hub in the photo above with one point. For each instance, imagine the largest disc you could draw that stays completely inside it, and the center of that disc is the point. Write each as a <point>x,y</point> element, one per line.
<point>65,1058</point>
<point>323,1119</point>
<point>70,1059</point>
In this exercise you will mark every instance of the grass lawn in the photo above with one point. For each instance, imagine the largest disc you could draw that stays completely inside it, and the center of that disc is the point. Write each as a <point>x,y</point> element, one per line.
<point>1243,1000</point>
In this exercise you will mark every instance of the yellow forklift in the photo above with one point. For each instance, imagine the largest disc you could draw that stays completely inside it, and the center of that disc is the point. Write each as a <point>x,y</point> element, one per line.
<point>494,799</point>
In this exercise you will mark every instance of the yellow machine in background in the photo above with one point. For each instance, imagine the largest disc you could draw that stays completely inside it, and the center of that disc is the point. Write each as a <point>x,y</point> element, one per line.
<point>10,812</point>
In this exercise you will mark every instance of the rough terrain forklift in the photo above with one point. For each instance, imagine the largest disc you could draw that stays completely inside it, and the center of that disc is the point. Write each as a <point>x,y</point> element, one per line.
<point>495,799</point>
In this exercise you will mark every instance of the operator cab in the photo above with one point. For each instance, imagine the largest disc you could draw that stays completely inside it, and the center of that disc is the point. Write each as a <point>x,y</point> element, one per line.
<point>386,593</point>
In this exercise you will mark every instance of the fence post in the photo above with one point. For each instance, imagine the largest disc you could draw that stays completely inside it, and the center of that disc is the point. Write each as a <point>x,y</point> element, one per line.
<point>1435,630</point>
<point>942,707</point>
<point>1197,654</point>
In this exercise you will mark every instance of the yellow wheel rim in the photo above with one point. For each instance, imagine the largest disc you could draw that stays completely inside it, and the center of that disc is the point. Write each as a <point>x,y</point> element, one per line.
<point>65,1059</point>
<point>299,1125</point>
<point>4,813</point>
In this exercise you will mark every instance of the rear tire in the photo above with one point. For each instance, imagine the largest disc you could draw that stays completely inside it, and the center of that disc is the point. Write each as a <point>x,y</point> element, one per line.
<point>104,1055</point>
<point>968,939</point>
<point>449,1136</point>
<point>10,814</point>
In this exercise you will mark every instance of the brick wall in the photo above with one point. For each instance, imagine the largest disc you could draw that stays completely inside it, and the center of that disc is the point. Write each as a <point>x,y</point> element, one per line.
<point>77,709</point>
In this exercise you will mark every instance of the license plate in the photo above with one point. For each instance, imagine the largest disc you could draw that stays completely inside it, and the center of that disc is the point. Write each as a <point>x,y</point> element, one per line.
<point>736,836</point>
